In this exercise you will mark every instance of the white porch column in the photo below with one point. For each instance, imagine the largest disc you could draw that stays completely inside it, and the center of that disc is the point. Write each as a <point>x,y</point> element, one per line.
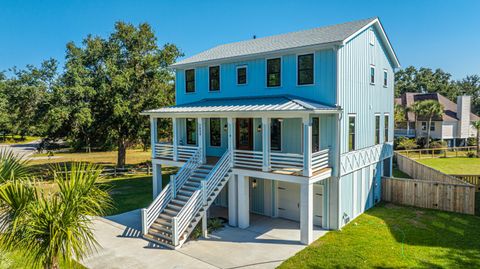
<point>156,179</point>
<point>153,134</point>
<point>175,139</point>
<point>306,213</point>
<point>231,135</point>
<point>307,146</point>
<point>232,201</point>
<point>266,143</point>
<point>201,138</point>
<point>243,202</point>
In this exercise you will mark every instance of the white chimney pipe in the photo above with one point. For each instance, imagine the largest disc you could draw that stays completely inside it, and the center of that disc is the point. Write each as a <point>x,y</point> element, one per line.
<point>463,116</point>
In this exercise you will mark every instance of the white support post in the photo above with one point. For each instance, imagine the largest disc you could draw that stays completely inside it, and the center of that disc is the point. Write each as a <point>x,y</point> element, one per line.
<point>144,221</point>
<point>201,138</point>
<point>204,225</point>
<point>307,146</point>
<point>231,135</point>
<point>153,134</point>
<point>243,202</point>
<point>174,232</point>
<point>306,213</point>
<point>156,179</point>
<point>175,139</point>
<point>173,186</point>
<point>232,201</point>
<point>204,192</point>
<point>266,144</point>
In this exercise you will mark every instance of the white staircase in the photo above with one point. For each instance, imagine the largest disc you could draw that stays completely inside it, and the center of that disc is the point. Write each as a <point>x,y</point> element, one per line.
<point>176,211</point>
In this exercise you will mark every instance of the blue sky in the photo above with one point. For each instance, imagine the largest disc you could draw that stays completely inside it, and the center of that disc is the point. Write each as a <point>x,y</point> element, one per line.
<point>429,33</point>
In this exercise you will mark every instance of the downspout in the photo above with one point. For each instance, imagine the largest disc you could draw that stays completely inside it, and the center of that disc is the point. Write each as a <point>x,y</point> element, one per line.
<point>338,137</point>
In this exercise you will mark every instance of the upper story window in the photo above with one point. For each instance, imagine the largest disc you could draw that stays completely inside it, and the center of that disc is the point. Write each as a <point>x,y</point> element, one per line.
<point>372,74</point>
<point>386,120</point>
<point>214,78</point>
<point>385,78</point>
<point>191,131</point>
<point>190,80</point>
<point>305,69</point>
<point>371,37</point>
<point>276,134</point>
<point>432,126</point>
<point>215,132</point>
<point>315,134</point>
<point>241,75</point>
<point>274,68</point>
<point>377,129</point>
<point>351,132</point>
<point>424,125</point>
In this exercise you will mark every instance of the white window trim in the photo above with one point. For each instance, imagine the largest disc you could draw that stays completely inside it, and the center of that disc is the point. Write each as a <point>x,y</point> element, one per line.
<point>194,81</point>
<point>281,135</point>
<point>354,116</point>
<point>219,78</point>
<point>296,69</point>
<point>371,37</point>
<point>379,115</point>
<point>210,133</point>
<point>385,85</point>
<point>266,72</point>
<point>246,74</point>
<point>370,74</point>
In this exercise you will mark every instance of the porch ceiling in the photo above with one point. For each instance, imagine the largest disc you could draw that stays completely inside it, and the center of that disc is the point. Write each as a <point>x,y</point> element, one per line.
<point>283,103</point>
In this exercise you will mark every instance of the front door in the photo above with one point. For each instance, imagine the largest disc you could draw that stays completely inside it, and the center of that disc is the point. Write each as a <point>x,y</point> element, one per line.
<point>244,134</point>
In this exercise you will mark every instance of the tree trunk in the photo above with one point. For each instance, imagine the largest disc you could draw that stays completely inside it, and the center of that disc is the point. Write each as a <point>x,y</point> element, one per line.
<point>122,152</point>
<point>478,143</point>
<point>428,132</point>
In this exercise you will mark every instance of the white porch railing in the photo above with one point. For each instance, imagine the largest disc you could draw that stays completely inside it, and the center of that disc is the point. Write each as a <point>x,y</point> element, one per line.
<point>286,160</point>
<point>164,151</point>
<point>248,159</point>
<point>185,152</point>
<point>187,217</point>
<point>150,213</point>
<point>320,159</point>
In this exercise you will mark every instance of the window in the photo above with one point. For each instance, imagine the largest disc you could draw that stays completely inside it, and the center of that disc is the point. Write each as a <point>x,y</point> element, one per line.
<point>276,134</point>
<point>274,67</point>
<point>372,74</point>
<point>424,125</point>
<point>214,78</point>
<point>351,132</point>
<point>215,132</point>
<point>241,75</point>
<point>385,78</point>
<point>191,132</point>
<point>386,120</point>
<point>305,69</point>
<point>377,129</point>
<point>432,126</point>
<point>190,80</point>
<point>371,37</point>
<point>315,134</point>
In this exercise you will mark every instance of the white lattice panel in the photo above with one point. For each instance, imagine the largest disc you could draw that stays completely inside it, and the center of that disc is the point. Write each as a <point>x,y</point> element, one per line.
<point>354,160</point>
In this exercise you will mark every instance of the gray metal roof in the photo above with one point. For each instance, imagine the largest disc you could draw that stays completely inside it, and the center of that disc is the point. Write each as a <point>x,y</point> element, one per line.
<point>247,104</point>
<point>316,36</point>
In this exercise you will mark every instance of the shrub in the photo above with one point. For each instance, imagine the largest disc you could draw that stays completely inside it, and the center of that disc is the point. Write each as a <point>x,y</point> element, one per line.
<point>471,154</point>
<point>407,144</point>
<point>438,144</point>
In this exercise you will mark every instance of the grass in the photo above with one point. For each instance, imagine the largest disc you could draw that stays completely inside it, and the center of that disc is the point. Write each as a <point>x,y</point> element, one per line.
<point>15,260</point>
<point>399,174</point>
<point>134,156</point>
<point>390,236</point>
<point>16,139</point>
<point>460,166</point>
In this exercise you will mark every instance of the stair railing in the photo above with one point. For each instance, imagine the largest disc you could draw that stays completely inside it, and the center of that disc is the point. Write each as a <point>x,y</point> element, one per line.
<point>199,198</point>
<point>168,193</point>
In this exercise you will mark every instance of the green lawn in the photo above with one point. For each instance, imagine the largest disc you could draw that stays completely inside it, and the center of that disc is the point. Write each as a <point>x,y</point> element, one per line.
<point>400,174</point>
<point>134,156</point>
<point>390,236</point>
<point>460,166</point>
<point>15,260</point>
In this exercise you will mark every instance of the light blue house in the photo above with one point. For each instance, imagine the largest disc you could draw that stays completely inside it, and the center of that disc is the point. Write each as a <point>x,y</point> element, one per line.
<point>296,126</point>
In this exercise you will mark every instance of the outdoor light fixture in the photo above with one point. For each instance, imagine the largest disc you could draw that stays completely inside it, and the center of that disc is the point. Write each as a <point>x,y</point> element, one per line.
<point>254,183</point>
<point>259,128</point>
<point>225,127</point>
<point>280,120</point>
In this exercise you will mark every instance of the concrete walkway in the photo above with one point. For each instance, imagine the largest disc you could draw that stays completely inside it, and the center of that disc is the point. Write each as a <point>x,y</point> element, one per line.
<point>23,150</point>
<point>265,244</point>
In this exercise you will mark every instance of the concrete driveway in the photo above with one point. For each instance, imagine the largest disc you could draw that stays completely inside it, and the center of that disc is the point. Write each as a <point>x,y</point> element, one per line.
<point>265,244</point>
<point>23,150</point>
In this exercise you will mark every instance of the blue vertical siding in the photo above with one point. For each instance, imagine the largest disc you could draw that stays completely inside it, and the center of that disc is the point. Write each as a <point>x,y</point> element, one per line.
<point>212,150</point>
<point>257,201</point>
<point>323,89</point>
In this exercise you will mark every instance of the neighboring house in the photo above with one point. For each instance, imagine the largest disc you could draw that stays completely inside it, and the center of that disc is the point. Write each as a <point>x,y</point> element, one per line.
<point>296,126</point>
<point>454,126</point>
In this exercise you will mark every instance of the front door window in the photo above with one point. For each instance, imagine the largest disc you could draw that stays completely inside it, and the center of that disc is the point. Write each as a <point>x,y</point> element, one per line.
<point>244,134</point>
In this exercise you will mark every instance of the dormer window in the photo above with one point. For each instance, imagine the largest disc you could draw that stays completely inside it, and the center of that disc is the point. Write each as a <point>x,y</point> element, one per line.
<point>214,78</point>
<point>190,80</point>
<point>385,78</point>
<point>274,67</point>
<point>305,69</point>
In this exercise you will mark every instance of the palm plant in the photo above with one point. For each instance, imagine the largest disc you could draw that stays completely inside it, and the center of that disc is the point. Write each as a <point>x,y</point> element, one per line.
<point>430,109</point>
<point>416,108</point>
<point>476,124</point>
<point>53,228</point>
<point>12,166</point>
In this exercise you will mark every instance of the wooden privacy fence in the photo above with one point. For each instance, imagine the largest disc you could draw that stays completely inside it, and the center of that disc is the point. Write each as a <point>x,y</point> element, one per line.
<point>430,194</point>
<point>472,179</point>
<point>422,172</point>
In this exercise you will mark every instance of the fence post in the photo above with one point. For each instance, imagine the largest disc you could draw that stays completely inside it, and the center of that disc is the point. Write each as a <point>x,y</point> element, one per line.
<point>172,183</point>
<point>144,220</point>
<point>174,232</point>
